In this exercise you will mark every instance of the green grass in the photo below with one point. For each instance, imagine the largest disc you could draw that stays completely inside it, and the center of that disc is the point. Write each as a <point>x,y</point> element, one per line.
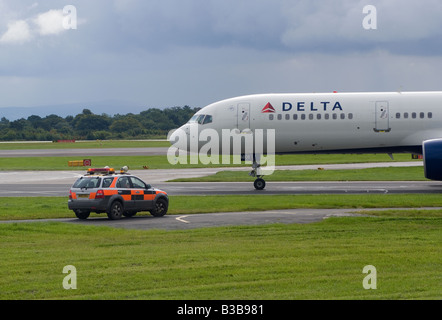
<point>161,162</point>
<point>19,208</point>
<point>309,261</point>
<point>408,213</point>
<point>370,174</point>
<point>295,261</point>
<point>84,144</point>
<point>61,163</point>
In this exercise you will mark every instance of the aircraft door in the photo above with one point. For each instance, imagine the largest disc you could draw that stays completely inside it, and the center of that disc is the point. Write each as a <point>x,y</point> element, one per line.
<point>243,116</point>
<point>382,118</point>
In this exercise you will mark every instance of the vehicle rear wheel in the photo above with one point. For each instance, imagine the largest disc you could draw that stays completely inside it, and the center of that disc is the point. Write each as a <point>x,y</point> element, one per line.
<point>160,208</point>
<point>82,214</point>
<point>116,211</point>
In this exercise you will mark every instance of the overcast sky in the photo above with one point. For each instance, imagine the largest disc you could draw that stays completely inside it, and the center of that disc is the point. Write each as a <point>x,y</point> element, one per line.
<point>163,53</point>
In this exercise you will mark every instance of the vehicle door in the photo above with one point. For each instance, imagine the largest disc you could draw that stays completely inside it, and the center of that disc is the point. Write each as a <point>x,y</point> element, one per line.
<point>142,197</point>
<point>125,191</point>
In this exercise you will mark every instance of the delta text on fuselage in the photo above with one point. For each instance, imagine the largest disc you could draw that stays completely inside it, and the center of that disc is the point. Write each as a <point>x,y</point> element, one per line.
<point>311,106</point>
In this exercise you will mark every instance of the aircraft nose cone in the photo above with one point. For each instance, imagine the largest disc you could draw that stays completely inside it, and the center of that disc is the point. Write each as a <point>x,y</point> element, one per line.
<point>171,136</point>
<point>179,137</point>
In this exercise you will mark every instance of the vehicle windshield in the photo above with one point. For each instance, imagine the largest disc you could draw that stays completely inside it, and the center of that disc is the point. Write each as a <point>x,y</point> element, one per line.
<point>87,182</point>
<point>201,119</point>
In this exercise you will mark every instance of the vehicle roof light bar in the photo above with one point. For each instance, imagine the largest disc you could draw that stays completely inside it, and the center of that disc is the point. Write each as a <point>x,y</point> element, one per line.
<point>100,170</point>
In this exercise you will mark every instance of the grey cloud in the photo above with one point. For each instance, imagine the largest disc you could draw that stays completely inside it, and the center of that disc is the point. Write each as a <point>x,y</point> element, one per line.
<point>204,50</point>
<point>405,27</point>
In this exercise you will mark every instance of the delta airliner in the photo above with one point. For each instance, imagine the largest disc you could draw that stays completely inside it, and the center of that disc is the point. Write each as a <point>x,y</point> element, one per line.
<point>375,122</point>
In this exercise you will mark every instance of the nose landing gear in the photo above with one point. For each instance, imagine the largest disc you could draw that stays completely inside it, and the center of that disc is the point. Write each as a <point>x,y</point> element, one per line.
<point>259,183</point>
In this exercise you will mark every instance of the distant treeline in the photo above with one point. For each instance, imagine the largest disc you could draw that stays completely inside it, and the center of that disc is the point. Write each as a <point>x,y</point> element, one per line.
<point>152,123</point>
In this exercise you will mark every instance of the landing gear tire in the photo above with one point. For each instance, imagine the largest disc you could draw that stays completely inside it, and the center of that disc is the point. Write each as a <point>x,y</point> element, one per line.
<point>259,184</point>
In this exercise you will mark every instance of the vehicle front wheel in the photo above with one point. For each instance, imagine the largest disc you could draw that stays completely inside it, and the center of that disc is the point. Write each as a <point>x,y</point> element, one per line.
<point>116,211</point>
<point>160,208</point>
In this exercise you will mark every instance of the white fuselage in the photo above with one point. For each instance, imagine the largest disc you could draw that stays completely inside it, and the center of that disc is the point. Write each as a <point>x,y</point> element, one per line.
<point>330,122</point>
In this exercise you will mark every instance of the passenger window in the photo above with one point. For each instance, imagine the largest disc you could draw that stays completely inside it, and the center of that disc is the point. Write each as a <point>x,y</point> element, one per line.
<point>430,115</point>
<point>350,116</point>
<point>270,116</point>
<point>342,116</point>
<point>413,115</point>
<point>93,183</point>
<point>318,116</point>
<point>398,115</point>
<point>326,116</point>
<point>279,116</point>
<point>107,182</point>
<point>295,116</point>
<point>137,183</point>
<point>406,115</point>
<point>310,116</point>
<point>422,115</point>
<point>123,182</point>
<point>303,116</point>
<point>287,117</point>
<point>335,116</point>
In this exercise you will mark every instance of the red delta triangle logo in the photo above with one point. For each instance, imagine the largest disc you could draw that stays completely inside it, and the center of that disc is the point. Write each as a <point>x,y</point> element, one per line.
<point>268,108</point>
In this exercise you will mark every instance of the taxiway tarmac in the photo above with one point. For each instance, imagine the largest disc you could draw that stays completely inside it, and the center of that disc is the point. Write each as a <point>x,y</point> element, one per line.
<point>172,222</point>
<point>57,183</point>
<point>220,219</point>
<point>243,188</point>
<point>177,222</point>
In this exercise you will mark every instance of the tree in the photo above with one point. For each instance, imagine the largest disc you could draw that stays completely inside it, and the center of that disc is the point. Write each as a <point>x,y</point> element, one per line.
<point>85,124</point>
<point>151,122</point>
<point>35,121</point>
<point>156,119</point>
<point>52,121</point>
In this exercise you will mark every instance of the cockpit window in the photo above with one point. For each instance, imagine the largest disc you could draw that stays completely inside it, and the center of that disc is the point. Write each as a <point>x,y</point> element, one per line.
<point>207,119</point>
<point>193,119</point>
<point>201,118</point>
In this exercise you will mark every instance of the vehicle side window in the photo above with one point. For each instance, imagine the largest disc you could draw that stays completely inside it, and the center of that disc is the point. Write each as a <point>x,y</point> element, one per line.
<point>123,182</point>
<point>107,182</point>
<point>137,183</point>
